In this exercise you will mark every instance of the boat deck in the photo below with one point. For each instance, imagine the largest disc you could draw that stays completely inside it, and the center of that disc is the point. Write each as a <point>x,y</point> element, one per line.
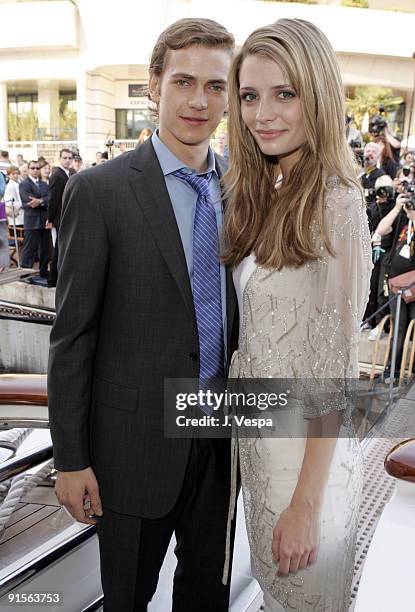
<point>37,518</point>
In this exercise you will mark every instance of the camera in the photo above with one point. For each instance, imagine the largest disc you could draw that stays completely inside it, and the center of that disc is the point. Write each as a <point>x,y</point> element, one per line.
<point>410,194</point>
<point>378,123</point>
<point>384,192</point>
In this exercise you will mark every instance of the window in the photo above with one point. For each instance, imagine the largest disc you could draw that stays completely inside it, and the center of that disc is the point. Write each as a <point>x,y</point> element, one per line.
<point>130,122</point>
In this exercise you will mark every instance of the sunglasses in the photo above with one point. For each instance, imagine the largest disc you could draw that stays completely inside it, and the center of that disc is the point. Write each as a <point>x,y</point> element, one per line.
<point>34,168</point>
<point>67,157</point>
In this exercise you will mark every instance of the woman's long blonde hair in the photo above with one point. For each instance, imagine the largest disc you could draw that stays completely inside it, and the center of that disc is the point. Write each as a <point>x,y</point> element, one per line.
<point>277,224</point>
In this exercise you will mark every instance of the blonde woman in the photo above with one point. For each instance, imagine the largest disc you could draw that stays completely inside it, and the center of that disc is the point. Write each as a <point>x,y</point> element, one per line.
<point>298,241</point>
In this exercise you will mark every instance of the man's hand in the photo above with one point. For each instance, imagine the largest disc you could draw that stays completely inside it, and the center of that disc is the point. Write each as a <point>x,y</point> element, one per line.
<point>78,492</point>
<point>49,225</point>
<point>34,202</point>
<point>410,214</point>
<point>377,253</point>
<point>400,201</point>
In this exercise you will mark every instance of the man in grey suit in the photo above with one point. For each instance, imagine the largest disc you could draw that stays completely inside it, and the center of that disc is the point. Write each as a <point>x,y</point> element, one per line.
<point>34,196</point>
<point>141,297</point>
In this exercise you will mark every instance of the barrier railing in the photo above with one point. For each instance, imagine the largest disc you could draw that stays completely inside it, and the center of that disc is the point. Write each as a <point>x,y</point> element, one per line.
<point>394,329</point>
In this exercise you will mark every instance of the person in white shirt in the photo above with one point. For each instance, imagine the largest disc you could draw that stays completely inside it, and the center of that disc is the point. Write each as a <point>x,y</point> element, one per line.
<point>12,198</point>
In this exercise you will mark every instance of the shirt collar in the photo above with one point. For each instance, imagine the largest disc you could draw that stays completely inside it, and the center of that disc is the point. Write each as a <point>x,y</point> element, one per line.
<point>170,163</point>
<point>64,169</point>
<point>36,181</point>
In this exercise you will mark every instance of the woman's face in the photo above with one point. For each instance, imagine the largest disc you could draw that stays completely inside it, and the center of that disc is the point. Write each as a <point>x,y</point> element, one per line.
<point>15,176</point>
<point>271,109</point>
<point>45,172</point>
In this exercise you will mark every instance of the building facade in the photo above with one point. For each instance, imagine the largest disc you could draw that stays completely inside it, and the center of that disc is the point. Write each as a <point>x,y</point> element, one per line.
<point>81,67</point>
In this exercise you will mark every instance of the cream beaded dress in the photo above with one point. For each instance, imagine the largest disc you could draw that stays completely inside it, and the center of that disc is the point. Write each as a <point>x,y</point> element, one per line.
<point>303,323</point>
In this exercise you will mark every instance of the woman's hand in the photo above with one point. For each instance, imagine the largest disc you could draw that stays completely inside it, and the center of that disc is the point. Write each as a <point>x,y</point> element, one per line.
<point>296,538</point>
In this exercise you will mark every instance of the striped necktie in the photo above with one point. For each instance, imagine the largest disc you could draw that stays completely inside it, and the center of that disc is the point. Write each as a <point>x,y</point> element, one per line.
<point>206,280</point>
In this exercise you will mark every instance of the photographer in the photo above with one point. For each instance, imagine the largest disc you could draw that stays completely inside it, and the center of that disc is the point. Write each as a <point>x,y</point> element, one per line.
<point>399,223</point>
<point>354,139</point>
<point>387,161</point>
<point>407,158</point>
<point>384,203</point>
<point>379,126</point>
<point>371,172</point>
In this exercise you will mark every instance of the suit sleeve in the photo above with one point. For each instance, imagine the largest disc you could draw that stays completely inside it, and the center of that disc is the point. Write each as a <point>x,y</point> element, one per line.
<point>56,188</point>
<point>44,195</point>
<point>82,266</point>
<point>25,194</point>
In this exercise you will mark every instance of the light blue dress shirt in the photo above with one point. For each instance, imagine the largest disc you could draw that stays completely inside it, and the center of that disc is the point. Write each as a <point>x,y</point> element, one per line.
<point>183,199</point>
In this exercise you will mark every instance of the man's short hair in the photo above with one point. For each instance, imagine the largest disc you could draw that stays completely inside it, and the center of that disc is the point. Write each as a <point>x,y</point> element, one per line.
<point>4,154</point>
<point>33,161</point>
<point>374,145</point>
<point>185,33</point>
<point>64,151</point>
<point>384,181</point>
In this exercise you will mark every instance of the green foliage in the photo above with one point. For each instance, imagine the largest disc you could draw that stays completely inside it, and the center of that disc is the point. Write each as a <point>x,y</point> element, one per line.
<point>368,99</point>
<point>23,126</point>
<point>67,120</point>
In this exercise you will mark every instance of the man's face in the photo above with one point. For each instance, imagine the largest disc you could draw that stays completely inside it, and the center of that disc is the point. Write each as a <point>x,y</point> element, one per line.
<point>65,160</point>
<point>371,154</point>
<point>77,164</point>
<point>191,94</point>
<point>381,200</point>
<point>34,170</point>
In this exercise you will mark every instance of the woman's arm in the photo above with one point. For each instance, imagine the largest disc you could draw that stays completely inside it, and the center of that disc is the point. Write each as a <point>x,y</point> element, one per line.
<point>341,295</point>
<point>297,533</point>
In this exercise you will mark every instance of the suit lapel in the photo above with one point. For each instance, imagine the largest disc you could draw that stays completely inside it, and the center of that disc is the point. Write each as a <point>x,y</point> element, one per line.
<point>64,175</point>
<point>230,290</point>
<point>149,187</point>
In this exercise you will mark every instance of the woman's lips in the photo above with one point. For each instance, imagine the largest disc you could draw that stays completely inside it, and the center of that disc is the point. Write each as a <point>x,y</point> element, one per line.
<point>270,134</point>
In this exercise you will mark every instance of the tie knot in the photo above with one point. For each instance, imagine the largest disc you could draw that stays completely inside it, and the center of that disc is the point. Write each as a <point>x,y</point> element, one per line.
<point>199,182</point>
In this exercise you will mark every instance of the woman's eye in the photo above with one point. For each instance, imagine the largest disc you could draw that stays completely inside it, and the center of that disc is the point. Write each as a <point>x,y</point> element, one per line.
<point>248,97</point>
<point>286,95</point>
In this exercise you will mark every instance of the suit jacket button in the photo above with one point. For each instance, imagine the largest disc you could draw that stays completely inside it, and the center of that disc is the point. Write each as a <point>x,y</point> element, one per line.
<point>193,356</point>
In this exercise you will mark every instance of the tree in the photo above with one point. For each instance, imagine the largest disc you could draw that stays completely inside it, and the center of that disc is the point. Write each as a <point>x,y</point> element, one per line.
<point>23,126</point>
<point>367,99</point>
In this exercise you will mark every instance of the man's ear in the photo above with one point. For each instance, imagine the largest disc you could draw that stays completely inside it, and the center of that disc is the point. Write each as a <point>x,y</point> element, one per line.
<point>154,89</point>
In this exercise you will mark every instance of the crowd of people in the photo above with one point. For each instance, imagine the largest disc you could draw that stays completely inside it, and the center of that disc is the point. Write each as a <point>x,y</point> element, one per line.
<point>27,193</point>
<point>30,204</point>
<point>388,181</point>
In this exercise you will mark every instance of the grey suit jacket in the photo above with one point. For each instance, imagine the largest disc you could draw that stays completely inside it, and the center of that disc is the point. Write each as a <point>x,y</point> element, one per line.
<point>125,321</point>
<point>34,218</point>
